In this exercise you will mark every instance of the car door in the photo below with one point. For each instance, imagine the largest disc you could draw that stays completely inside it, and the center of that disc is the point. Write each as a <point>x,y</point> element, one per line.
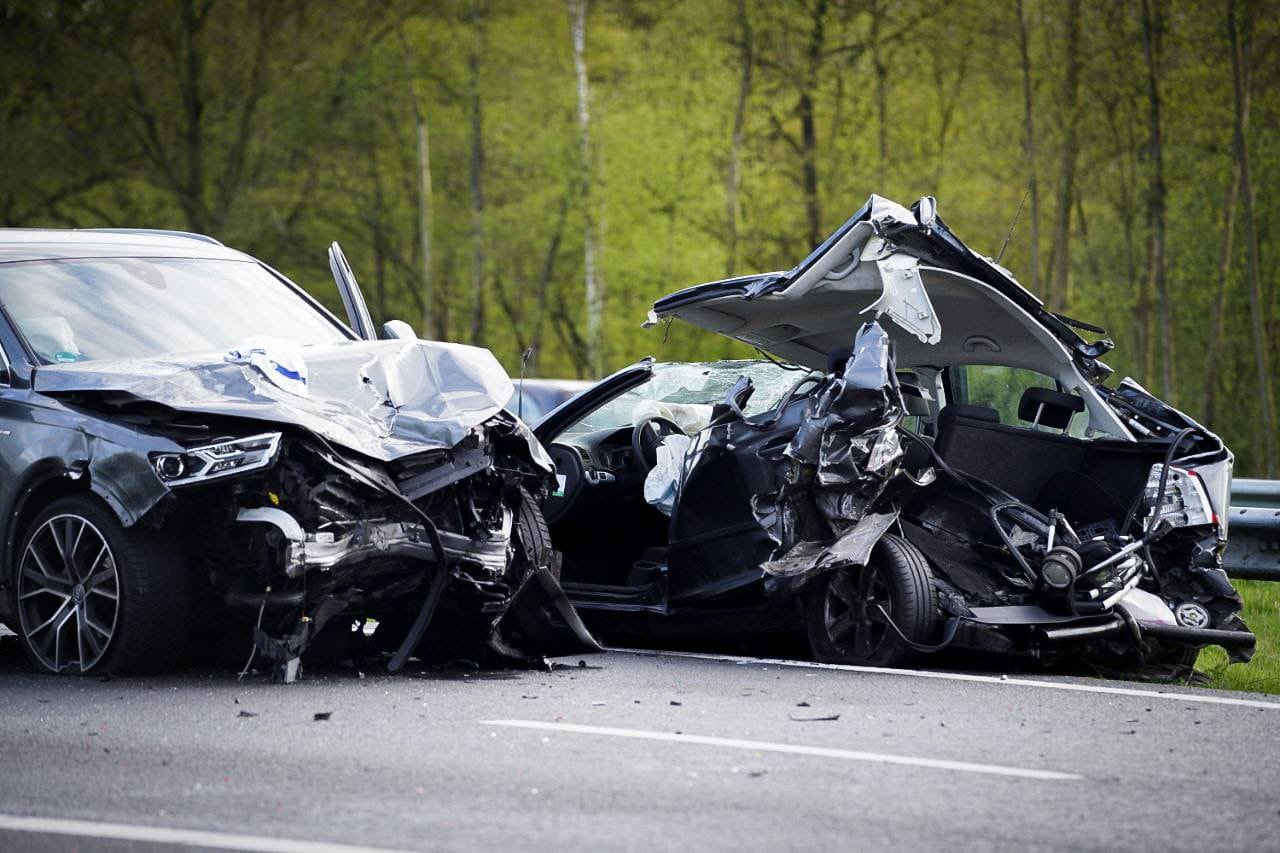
<point>358,316</point>
<point>717,543</point>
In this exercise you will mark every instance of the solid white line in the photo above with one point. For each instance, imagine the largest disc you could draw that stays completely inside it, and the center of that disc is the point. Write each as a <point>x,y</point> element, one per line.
<point>172,836</point>
<point>1208,699</point>
<point>794,749</point>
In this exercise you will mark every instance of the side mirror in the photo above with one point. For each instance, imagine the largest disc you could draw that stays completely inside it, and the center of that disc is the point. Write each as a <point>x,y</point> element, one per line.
<point>731,408</point>
<point>926,211</point>
<point>398,330</point>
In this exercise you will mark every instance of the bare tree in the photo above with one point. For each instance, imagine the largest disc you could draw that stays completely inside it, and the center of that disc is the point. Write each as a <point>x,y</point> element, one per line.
<point>475,172</point>
<point>594,344</point>
<point>745,42</point>
<point>1241,36</point>
<point>1059,273</point>
<point>814,54</point>
<point>1029,143</point>
<point>423,154</point>
<point>1153,24</point>
<point>1217,319</point>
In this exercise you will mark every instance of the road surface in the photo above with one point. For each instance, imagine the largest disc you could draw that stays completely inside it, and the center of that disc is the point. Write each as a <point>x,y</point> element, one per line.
<point>633,751</point>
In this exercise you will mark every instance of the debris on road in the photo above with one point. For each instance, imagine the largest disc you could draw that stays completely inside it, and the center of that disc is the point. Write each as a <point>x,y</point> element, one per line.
<point>814,718</point>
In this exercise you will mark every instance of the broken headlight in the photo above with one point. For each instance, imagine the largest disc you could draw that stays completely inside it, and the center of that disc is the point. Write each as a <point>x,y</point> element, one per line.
<point>216,460</point>
<point>1184,503</point>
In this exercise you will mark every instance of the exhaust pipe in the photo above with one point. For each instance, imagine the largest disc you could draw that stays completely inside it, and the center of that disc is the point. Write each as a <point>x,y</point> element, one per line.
<point>1071,633</point>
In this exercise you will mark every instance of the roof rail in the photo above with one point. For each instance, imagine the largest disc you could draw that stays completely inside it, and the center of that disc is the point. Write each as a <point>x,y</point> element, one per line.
<point>158,232</point>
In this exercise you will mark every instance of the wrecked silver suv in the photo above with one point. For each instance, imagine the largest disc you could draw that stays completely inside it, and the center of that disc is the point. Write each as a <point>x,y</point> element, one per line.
<point>194,449</point>
<point>960,477</point>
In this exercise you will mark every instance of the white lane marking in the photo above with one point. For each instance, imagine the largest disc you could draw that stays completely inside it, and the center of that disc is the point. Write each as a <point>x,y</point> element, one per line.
<point>1207,699</point>
<point>794,749</point>
<point>172,836</point>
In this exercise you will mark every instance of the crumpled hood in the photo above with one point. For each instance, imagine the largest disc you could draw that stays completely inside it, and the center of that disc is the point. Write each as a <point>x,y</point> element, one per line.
<point>384,399</point>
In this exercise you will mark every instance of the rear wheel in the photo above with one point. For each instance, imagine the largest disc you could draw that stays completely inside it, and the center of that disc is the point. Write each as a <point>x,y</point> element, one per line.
<point>93,597</point>
<point>848,612</point>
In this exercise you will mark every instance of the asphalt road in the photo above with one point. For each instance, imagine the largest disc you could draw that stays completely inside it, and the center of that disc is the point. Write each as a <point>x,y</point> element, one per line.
<point>633,751</point>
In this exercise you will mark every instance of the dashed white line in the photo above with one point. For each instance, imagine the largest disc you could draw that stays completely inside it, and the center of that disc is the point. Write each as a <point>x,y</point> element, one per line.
<point>172,836</point>
<point>1171,695</point>
<point>790,748</point>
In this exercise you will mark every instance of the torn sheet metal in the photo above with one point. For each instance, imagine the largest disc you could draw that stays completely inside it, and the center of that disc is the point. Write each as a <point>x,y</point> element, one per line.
<point>845,451</point>
<point>851,549</point>
<point>384,399</point>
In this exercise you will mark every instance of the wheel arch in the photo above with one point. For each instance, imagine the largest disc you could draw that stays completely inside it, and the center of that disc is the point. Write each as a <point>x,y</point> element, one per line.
<point>45,483</point>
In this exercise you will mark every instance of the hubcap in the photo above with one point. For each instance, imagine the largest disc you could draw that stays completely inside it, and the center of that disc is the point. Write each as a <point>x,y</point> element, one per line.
<point>854,613</point>
<point>68,594</point>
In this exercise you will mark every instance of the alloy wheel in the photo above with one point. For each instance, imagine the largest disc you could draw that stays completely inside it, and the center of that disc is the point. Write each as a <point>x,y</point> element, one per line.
<point>855,613</point>
<point>68,594</point>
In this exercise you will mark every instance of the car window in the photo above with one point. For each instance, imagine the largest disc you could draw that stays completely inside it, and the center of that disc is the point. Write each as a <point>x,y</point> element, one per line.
<point>685,394</point>
<point>103,308</point>
<point>996,386</point>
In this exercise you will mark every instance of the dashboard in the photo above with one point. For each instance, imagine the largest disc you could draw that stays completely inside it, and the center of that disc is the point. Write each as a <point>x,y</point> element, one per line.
<point>602,459</point>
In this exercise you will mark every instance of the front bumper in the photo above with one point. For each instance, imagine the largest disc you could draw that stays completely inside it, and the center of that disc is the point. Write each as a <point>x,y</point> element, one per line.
<point>323,551</point>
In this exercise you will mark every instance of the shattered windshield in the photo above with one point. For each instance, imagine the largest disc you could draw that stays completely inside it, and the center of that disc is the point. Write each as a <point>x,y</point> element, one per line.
<point>108,308</point>
<point>685,392</point>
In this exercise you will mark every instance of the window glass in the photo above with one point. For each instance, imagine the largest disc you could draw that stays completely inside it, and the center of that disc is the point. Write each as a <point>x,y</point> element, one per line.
<point>685,393</point>
<point>995,386</point>
<point>103,308</point>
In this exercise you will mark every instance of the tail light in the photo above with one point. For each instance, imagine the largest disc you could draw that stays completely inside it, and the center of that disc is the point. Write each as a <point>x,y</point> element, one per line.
<point>1184,503</point>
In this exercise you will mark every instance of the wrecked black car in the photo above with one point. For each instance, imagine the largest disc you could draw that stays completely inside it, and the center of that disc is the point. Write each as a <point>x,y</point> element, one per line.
<point>925,459</point>
<point>190,444</point>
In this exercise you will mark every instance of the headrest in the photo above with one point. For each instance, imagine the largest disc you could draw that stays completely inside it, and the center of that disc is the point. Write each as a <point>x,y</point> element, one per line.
<point>1049,408</point>
<point>974,413</point>
<point>913,397</point>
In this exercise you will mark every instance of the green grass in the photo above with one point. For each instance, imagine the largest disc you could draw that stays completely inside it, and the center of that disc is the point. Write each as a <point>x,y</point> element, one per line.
<point>1262,674</point>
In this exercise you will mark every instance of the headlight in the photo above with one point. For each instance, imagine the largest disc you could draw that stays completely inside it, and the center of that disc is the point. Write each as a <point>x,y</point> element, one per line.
<point>1185,502</point>
<point>216,460</point>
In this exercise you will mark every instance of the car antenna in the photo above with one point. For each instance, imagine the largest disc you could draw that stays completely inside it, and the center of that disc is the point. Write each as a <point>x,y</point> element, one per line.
<point>524,362</point>
<point>1031,183</point>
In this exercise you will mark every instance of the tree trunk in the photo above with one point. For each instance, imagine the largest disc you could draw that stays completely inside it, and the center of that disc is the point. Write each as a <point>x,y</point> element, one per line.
<point>1153,21</point>
<point>1059,290</point>
<point>476,174</point>
<point>808,128</point>
<point>1218,317</point>
<point>192,198</point>
<point>1029,142</point>
<point>377,224</point>
<point>423,153</point>
<point>880,68</point>
<point>594,345</point>
<point>544,283</point>
<point>1241,55</point>
<point>733,175</point>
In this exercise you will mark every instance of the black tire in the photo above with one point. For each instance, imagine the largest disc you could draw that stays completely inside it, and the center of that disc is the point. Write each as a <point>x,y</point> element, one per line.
<point>144,570</point>
<point>534,535</point>
<point>844,625</point>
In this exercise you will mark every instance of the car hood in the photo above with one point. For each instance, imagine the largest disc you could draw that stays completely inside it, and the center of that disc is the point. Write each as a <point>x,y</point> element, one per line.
<point>889,261</point>
<point>384,399</point>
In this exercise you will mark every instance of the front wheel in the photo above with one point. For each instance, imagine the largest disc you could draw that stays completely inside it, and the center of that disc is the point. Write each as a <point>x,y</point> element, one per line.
<point>94,597</point>
<point>848,611</point>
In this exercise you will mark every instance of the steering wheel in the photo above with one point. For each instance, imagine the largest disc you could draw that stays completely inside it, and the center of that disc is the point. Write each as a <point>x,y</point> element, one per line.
<point>646,435</point>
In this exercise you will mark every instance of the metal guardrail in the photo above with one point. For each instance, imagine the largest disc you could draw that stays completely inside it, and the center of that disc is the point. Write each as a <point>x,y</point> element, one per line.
<point>1253,531</point>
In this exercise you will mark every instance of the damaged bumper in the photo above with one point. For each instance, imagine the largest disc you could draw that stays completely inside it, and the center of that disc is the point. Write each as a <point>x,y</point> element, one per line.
<point>323,551</point>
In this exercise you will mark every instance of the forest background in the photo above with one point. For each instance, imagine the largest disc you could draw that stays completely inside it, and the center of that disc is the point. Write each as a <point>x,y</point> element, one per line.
<point>536,173</point>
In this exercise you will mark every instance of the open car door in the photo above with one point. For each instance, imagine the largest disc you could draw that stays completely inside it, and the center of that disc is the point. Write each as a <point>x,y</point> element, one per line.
<point>358,316</point>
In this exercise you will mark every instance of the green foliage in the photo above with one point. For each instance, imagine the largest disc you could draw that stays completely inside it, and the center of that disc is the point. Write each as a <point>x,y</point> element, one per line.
<point>280,127</point>
<point>1262,615</point>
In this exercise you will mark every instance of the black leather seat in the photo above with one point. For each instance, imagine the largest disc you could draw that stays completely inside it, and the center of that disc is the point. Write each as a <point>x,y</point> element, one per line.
<point>954,419</point>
